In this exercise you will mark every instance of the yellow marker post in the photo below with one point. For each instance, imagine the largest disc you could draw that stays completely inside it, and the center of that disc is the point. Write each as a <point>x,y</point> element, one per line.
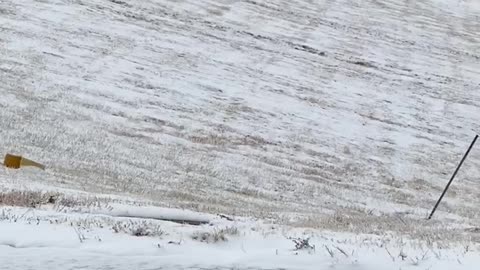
<point>16,162</point>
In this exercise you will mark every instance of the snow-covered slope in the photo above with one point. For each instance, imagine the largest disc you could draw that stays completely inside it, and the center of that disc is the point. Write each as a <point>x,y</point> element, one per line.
<point>292,110</point>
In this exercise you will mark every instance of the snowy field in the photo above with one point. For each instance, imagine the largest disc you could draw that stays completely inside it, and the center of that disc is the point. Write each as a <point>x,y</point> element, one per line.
<point>345,116</point>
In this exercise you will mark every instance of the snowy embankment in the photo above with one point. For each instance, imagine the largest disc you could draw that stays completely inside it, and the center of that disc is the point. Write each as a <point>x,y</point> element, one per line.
<point>344,116</point>
<point>46,239</point>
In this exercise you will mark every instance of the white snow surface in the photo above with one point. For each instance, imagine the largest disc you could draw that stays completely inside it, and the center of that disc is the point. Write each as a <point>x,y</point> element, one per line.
<point>36,239</point>
<point>345,116</point>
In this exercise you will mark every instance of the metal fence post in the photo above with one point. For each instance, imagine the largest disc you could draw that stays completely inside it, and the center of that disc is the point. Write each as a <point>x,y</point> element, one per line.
<point>453,177</point>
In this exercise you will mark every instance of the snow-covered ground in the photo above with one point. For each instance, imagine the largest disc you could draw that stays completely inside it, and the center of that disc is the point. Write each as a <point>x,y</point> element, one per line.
<point>46,239</point>
<point>337,115</point>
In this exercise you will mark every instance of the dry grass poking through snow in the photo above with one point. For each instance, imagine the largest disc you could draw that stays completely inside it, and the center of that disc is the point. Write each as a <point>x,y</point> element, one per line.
<point>61,202</point>
<point>360,222</point>
<point>216,235</point>
<point>136,228</point>
<point>432,233</point>
<point>26,198</point>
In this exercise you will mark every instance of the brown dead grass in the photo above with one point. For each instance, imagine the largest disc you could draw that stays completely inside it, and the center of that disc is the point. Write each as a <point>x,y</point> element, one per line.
<point>26,198</point>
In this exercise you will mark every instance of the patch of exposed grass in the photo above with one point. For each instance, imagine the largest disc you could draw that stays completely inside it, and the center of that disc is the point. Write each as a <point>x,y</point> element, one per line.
<point>217,235</point>
<point>26,198</point>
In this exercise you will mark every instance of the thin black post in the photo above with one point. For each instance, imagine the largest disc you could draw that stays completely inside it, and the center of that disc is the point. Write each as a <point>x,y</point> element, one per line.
<point>453,177</point>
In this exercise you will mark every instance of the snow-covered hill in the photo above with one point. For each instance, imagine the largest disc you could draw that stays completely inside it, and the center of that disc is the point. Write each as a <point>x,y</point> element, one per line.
<point>311,113</point>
